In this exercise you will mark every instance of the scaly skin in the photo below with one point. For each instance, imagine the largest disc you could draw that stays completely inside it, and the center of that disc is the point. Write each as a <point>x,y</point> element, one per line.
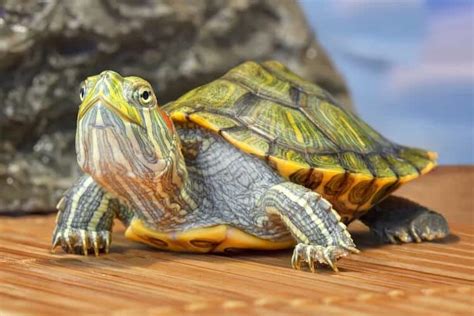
<point>169,183</point>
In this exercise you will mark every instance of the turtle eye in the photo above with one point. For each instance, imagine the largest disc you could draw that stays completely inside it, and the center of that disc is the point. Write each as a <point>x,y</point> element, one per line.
<point>82,93</point>
<point>145,96</point>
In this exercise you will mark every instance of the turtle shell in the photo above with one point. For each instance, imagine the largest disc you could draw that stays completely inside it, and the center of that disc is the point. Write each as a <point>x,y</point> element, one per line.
<point>299,129</point>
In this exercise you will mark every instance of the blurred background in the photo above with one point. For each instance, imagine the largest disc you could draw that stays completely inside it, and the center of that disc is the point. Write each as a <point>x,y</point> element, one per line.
<point>409,66</point>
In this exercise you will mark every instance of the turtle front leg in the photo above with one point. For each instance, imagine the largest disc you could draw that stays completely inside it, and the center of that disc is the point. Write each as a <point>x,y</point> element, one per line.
<point>322,237</point>
<point>396,220</point>
<point>85,218</point>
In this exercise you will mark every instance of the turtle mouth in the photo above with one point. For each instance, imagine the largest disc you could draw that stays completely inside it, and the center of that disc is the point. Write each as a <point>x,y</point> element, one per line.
<point>100,117</point>
<point>101,105</point>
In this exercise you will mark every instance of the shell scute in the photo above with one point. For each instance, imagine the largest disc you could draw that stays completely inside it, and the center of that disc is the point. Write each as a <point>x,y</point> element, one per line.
<point>380,166</point>
<point>354,161</point>
<point>298,84</point>
<point>400,166</point>
<point>215,121</point>
<point>260,82</point>
<point>242,137</point>
<point>416,157</point>
<point>338,185</point>
<point>330,161</point>
<point>290,155</point>
<point>340,127</point>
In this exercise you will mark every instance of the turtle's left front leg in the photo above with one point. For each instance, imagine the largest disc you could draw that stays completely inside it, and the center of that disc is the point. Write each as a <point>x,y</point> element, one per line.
<point>85,218</point>
<point>396,219</point>
<point>322,237</point>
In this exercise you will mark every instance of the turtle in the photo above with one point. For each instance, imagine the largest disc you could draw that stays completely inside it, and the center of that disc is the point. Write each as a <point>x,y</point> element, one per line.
<point>259,158</point>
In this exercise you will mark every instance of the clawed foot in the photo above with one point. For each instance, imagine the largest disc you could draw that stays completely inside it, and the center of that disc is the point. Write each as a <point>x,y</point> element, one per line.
<point>397,219</point>
<point>425,227</point>
<point>313,254</point>
<point>81,241</point>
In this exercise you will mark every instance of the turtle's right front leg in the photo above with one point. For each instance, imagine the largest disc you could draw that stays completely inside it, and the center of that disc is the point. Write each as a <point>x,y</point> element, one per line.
<point>85,218</point>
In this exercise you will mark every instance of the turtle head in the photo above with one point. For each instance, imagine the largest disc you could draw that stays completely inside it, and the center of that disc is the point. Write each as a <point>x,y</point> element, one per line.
<point>122,135</point>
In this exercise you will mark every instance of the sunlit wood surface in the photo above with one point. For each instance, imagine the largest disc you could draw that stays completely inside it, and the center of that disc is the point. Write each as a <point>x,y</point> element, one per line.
<point>411,279</point>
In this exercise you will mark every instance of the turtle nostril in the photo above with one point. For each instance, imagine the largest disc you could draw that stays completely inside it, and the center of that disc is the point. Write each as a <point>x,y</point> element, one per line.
<point>104,75</point>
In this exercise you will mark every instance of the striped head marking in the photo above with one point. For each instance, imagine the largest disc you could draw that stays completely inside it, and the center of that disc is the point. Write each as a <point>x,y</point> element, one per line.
<point>122,136</point>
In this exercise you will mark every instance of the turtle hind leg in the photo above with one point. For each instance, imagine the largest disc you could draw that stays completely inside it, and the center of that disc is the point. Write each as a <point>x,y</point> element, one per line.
<point>397,219</point>
<point>322,237</point>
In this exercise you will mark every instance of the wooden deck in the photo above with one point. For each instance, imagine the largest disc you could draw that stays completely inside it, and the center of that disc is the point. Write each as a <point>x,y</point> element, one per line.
<point>412,279</point>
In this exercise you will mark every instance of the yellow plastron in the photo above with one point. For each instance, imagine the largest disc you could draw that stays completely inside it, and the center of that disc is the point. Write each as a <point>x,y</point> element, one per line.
<point>219,238</point>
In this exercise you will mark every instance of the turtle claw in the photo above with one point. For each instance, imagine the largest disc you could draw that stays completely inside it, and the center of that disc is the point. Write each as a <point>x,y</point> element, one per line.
<point>56,242</point>
<point>85,244</point>
<point>61,206</point>
<point>95,243</point>
<point>351,249</point>
<point>108,240</point>
<point>312,254</point>
<point>329,262</point>
<point>81,241</point>
<point>295,260</point>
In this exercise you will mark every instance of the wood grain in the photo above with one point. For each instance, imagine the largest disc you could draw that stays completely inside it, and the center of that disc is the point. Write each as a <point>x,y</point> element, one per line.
<point>413,279</point>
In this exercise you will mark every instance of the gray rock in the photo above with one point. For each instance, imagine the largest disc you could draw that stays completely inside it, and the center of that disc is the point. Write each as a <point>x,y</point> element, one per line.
<point>48,47</point>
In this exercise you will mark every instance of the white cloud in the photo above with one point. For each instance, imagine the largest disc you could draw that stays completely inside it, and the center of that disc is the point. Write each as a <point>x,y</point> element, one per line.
<point>447,53</point>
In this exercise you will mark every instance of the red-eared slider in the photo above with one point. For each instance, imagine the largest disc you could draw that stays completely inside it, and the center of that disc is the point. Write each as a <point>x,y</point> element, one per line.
<point>259,159</point>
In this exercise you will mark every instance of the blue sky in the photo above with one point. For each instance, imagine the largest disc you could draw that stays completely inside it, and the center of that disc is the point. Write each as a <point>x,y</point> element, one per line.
<point>409,66</point>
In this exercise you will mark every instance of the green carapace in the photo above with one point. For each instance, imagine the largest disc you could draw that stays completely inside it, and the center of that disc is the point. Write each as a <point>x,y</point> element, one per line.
<point>257,159</point>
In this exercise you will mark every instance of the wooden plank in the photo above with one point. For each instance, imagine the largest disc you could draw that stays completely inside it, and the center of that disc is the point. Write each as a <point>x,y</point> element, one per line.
<point>415,279</point>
